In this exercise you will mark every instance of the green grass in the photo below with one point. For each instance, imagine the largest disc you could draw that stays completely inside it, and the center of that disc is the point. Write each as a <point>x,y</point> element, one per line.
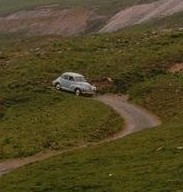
<point>44,120</point>
<point>162,95</point>
<point>129,56</point>
<point>34,117</point>
<point>30,65</point>
<point>170,22</point>
<point>148,161</point>
<point>138,60</point>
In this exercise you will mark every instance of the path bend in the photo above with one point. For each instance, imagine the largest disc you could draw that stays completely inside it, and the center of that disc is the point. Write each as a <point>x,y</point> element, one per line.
<point>136,119</point>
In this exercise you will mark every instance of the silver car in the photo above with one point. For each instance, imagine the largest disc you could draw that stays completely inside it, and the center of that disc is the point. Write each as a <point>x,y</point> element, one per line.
<point>75,83</point>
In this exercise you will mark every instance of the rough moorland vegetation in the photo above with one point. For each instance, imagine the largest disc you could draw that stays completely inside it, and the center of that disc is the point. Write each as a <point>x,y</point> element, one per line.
<point>139,60</point>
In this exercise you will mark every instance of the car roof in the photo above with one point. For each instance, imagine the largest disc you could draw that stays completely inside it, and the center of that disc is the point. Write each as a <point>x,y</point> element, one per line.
<point>73,74</point>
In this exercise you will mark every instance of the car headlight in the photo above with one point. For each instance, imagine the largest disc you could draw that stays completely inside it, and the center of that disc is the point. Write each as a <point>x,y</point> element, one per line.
<point>86,88</point>
<point>94,88</point>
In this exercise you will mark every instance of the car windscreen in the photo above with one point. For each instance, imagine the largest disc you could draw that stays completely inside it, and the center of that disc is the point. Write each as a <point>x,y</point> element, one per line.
<point>80,79</point>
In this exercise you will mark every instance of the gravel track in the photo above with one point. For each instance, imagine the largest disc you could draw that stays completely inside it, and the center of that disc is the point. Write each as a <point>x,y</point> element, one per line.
<point>136,119</point>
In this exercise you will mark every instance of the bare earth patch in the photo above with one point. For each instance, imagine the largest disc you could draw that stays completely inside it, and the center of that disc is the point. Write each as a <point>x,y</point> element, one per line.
<point>177,68</point>
<point>136,119</point>
<point>51,20</point>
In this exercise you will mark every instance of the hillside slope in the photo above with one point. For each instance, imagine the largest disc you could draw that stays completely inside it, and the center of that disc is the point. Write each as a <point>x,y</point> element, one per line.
<point>66,21</point>
<point>51,20</point>
<point>143,13</point>
<point>140,61</point>
<point>106,7</point>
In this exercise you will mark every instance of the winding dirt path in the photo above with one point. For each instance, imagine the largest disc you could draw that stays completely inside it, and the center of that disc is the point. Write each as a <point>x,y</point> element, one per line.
<point>136,119</point>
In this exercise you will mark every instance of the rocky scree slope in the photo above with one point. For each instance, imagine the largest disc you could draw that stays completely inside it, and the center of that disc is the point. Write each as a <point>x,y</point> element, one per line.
<point>142,13</point>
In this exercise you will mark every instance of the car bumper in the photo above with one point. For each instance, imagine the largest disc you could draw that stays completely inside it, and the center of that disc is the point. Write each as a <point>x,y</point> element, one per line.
<point>86,92</point>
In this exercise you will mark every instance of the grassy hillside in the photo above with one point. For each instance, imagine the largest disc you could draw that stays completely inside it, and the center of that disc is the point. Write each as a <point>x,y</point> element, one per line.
<point>170,22</point>
<point>128,56</point>
<point>35,117</point>
<point>146,161</point>
<point>149,161</point>
<point>104,6</point>
<point>29,66</point>
<point>162,95</point>
<point>138,59</point>
<point>44,120</point>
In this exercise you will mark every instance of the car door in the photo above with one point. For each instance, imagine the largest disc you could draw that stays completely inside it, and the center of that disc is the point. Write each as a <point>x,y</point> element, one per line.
<point>68,81</point>
<point>64,82</point>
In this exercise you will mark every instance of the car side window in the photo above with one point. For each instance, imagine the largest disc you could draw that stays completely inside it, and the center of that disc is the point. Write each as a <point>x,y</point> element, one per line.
<point>66,77</point>
<point>71,78</point>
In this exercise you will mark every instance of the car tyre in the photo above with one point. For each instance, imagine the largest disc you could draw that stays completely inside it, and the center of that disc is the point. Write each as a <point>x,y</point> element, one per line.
<point>58,86</point>
<point>77,92</point>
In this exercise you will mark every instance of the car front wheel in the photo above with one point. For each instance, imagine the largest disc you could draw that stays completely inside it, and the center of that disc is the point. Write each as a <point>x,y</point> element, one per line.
<point>77,92</point>
<point>58,86</point>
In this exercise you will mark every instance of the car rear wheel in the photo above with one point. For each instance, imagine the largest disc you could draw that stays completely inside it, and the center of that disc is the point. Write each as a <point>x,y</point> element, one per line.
<point>77,92</point>
<point>58,86</point>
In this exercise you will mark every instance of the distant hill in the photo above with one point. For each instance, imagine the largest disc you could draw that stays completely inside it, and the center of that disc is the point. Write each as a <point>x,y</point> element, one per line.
<point>103,6</point>
<point>51,20</point>
<point>70,17</point>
